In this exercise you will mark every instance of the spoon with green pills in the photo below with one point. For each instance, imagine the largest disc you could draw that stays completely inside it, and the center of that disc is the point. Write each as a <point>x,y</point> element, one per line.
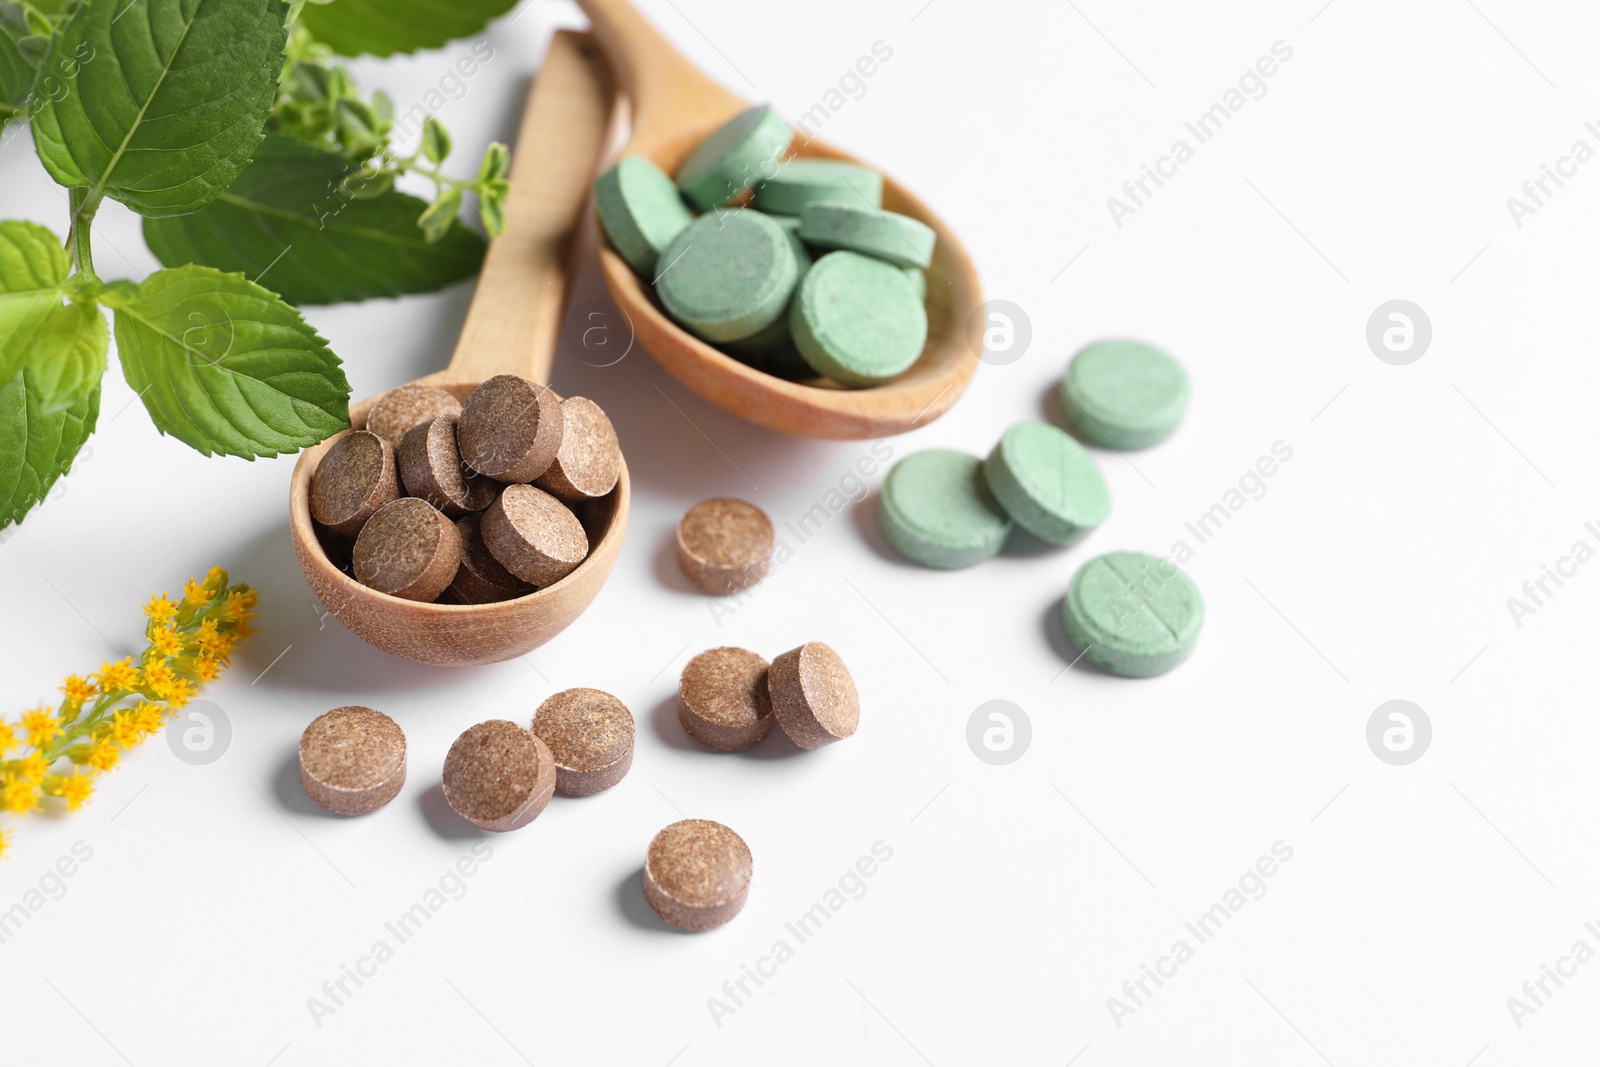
<point>863,335</point>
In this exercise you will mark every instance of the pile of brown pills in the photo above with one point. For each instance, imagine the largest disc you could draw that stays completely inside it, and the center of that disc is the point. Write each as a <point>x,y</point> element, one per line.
<point>590,734</point>
<point>352,760</point>
<point>499,776</point>
<point>425,459</point>
<point>725,545</point>
<point>729,698</point>
<point>697,874</point>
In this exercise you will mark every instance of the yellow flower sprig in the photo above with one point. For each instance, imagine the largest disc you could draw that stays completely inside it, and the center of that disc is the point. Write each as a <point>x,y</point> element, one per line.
<point>52,757</point>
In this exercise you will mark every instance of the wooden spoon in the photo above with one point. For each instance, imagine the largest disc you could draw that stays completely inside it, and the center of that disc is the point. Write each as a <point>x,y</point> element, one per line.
<point>512,328</point>
<point>674,107</point>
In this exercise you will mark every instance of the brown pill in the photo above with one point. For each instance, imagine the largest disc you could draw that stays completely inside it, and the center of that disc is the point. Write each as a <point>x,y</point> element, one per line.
<point>398,410</point>
<point>354,479</point>
<point>724,545</point>
<point>697,874</point>
<point>813,695</point>
<point>407,549</point>
<point>534,535</point>
<point>431,468</point>
<point>589,460</point>
<point>499,776</point>
<point>725,702</point>
<point>481,579</point>
<point>511,429</point>
<point>590,733</point>
<point>352,760</point>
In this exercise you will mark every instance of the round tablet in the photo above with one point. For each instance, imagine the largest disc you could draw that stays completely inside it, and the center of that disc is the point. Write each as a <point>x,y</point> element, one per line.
<point>697,874</point>
<point>724,544</point>
<point>855,227</point>
<point>738,154</point>
<point>431,468</point>
<point>1047,482</point>
<point>1123,394</point>
<point>813,696</point>
<point>640,211</point>
<point>856,319</point>
<point>590,734</point>
<point>398,410</point>
<point>499,776</point>
<point>727,276</point>
<point>352,760</point>
<point>407,549</point>
<point>1132,614</point>
<point>510,429</point>
<point>799,182</point>
<point>481,579</point>
<point>534,535</point>
<point>355,478</point>
<point>589,460</point>
<point>725,702</point>
<point>936,510</point>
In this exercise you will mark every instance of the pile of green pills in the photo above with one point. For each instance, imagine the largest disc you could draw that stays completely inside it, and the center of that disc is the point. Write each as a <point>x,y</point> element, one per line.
<point>811,279</point>
<point>1128,613</point>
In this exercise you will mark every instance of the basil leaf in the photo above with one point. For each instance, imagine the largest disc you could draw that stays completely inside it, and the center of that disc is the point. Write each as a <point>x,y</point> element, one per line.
<point>159,103</point>
<point>16,69</point>
<point>32,267</point>
<point>69,355</point>
<point>383,27</point>
<point>289,223</point>
<point>226,366</point>
<point>37,446</point>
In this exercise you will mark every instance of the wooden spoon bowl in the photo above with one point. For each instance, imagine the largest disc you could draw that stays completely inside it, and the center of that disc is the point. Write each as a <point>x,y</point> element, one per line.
<point>675,107</point>
<point>512,328</point>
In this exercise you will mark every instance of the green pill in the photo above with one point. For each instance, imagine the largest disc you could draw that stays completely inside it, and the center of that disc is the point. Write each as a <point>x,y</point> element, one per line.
<point>801,181</point>
<point>1132,614</point>
<point>1047,482</point>
<point>1123,394</point>
<point>744,150</point>
<point>640,211</point>
<point>728,275</point>
<point>919,282</point>
<point>855,320</point>
<point>937,511</point>
<point>899,239</point>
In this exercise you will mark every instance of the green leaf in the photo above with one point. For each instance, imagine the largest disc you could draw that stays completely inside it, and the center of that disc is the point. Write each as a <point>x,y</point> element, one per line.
<point>435,222</point>
<point>225,366</point>
<point>493,210</point>
<point>161,102</point>
<point>496,162</point>
<point>69,355</point>
<point>383,27</point>
<point>16,68</point>
<point>33,266</point>
<point>36,446</point>
<point>435,140</point>
<point>285,223</point>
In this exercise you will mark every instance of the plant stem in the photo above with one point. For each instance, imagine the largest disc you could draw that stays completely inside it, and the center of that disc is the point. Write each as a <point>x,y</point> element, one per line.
<point>78,235</point>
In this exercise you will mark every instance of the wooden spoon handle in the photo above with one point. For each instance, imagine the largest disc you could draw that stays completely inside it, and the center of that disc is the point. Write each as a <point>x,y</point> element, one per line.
<point>668,94</point>
<point>514,324</point>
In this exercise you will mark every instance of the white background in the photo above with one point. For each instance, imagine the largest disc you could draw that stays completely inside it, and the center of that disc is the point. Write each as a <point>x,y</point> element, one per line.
<point>1377,565</point>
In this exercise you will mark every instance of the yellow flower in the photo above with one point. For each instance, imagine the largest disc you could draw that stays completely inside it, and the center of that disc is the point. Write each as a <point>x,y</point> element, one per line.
<point>9,738</point>
<point>159,679</point>
<point>216,578</point>
<point>195,593</point>
<point>41,725</point>
<point>160,610</point>
<point>181,692</point>
<point>166,641</point>
<point>212,641</point>
<point>119,675</point>
<point>33,767</point>
<point>77,690</point>
<point>17,794</point>
<point>5,842</point>
<point>104,755</point>
<point>206,668</point>
<point>75,789</point>
<point>125,729</point>
<point>150,718</point>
